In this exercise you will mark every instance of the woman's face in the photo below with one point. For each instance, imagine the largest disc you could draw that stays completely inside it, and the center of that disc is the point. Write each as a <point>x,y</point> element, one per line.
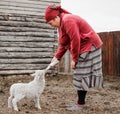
<point>55,22</point>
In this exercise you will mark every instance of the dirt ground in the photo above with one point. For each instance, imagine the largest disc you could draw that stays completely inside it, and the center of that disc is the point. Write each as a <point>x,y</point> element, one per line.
<point>59,93</point>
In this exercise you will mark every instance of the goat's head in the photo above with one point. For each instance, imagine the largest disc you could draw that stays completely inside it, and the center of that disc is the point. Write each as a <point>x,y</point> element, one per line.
<point>39,74</point>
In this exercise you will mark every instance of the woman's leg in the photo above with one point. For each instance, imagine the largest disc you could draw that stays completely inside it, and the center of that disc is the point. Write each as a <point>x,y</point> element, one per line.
<point>81,96</point>
<point>80,103</point>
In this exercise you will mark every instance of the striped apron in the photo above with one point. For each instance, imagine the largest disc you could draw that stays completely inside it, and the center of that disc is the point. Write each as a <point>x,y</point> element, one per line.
<point>88,72</point>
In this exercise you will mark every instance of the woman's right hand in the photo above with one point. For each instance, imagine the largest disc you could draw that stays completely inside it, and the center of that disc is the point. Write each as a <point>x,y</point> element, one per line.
<point>54,61</point>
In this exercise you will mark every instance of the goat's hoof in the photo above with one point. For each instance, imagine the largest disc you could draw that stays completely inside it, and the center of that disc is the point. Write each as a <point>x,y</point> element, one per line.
<point>9,107</point>
<point>16,110</point>
<point>39,108</point>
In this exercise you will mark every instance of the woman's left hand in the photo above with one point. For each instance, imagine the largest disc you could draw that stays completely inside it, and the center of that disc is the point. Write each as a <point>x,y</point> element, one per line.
<point>73,64</point>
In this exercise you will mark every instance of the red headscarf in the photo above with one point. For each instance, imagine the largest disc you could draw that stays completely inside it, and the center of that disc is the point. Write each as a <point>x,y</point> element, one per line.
<point>52,11</point>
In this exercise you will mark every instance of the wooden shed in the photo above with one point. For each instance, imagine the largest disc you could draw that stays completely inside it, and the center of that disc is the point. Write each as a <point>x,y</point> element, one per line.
<point>26,41</point>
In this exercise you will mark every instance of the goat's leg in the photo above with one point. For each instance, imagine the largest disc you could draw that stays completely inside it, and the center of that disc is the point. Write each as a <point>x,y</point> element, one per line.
<point>15,100</point>
<point>10,101</point>
<point>37,103</point>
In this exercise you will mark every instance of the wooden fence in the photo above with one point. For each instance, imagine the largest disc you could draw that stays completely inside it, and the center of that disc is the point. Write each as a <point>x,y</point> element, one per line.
<point>110,55</point>
<point>26,41</point>
<point>111,52</point>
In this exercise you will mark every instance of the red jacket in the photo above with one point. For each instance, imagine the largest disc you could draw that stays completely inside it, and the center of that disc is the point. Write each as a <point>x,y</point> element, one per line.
<point>76,35</point>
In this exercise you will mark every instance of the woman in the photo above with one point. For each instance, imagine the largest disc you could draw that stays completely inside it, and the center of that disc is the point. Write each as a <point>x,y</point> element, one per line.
<point>77,36</point>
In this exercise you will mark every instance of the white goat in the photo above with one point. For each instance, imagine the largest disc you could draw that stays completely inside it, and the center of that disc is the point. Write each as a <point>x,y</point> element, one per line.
<point>32,90</point>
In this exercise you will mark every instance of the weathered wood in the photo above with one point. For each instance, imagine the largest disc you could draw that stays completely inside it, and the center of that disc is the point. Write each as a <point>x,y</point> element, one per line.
<point>25,29</point>
<point>40,34</point>
<point>25,24</point>
<point>24,49</point>
<point>15,72</point>
<point>23,8</point>
<point>22,66</point>
<point>26,39</point>
<point>36,2</point>
<point>24,18</point>
<point>67,62</point>
<point>25,61</point>
<point>21,72</point>
<point>116,52</point>
<point>19,4</point>
<point>26,44</point>
<point>7,11</point>
<point>26,54</point>
<point>111,53</point>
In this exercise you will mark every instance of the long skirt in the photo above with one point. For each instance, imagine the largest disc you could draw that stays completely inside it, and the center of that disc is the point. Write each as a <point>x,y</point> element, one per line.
<point>88,72</point>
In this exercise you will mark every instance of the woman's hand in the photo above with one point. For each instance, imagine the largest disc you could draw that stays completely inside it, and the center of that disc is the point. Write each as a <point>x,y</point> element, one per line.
<point>54,61</point>
<point>73,64</point>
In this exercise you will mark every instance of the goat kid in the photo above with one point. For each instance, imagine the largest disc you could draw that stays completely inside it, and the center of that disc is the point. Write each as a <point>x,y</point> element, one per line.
<point>31,90</point>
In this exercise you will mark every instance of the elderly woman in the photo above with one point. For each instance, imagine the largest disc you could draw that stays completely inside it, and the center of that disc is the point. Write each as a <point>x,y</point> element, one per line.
<point>84,44</point>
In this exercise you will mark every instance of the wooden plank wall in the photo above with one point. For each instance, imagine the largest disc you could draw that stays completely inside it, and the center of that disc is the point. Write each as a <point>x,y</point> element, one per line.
<point>111,52</point>
<point>26,41</point>
<point>110,55</point>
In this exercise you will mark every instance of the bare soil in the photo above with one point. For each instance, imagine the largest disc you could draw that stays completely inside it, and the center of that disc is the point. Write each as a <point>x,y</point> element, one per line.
<point>59,93</point>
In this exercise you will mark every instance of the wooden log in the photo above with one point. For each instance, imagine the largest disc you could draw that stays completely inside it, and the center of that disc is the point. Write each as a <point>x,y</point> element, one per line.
<point>35,2</point>
<point>25,29</point>
<point>25,24</point>
<point>22,8</point>
<point>40,34</point>
<point>22,66</point>
<point>23,49</point>
<point>26,44</point>
<point>25,61</point>
<point>22,72</point>
<point>7,11</point>
<point>38,5</point>
<point>26,39</point>
<point>26,54</point>
<point>25,18</point>
<point>15,72</point>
